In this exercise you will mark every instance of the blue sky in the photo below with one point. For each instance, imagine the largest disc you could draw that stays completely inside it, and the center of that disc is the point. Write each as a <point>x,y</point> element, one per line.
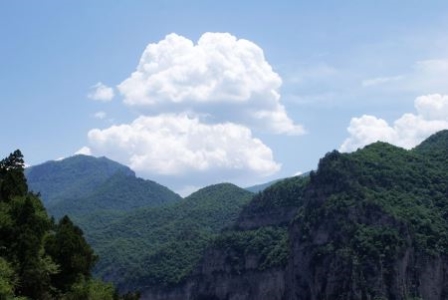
<point>240,91</point>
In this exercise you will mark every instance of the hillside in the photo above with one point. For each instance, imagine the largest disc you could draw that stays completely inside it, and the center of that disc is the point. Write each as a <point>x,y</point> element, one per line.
<point>71,178</point>
<point>366,225</point>
<point>41,258</point>
<point>84,184</point>
<point>261,187</point>
<point>160,246</point>
<point>145,234</point>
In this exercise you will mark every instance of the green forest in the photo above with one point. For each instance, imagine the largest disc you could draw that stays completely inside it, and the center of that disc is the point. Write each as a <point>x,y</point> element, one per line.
<point>160,246</point>
<point>354,218</point>
<point>41,258</point>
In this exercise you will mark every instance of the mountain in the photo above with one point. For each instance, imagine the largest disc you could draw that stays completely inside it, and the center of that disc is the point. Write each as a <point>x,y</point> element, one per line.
<point>160,246</point>
<point>366,225</point>
<point>262,186</point>
<point>145,234</point>
<point>41,259</point>
<point>71,178</point>
<point>82,184</point>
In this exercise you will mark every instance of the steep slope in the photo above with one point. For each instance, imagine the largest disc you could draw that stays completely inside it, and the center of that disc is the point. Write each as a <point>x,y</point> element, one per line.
<point>261,187</point>
<point>71,178</point>
<point>84,184</point>
<point>41,259</point>
<point>276,205</point>
<point>247,260</point>
<point>367,225</point>
<point>120,193</point>
<point>160,246</point>
<point>373,227</point>
<point>435,145</point>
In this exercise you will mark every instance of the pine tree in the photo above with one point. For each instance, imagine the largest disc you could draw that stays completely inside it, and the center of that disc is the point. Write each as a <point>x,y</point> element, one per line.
<point>71,252</point>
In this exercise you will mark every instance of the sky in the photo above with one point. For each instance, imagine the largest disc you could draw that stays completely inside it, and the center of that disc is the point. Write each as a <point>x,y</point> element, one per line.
<point>193,93</point>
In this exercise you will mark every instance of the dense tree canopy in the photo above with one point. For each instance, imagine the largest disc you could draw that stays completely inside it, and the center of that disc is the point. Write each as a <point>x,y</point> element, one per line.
<point>39,259</point>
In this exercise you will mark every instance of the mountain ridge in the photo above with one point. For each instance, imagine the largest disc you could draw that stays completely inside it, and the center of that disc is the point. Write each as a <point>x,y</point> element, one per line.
<point>371,224</point>
<point>83,184</point>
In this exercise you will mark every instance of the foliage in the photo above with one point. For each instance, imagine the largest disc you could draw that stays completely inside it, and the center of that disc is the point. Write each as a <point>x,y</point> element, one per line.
<point>91,290</point>
<point>359,211</point>
<point>12,179</point>
<point>374,204</point>
<point>71,178</point>
<point>71,252</point>
<point>39,260</point>
<point>268,244</point>
<point>285,194</point>
<point>83,184</point>
<point>159,246</point>
<point>7,279</point>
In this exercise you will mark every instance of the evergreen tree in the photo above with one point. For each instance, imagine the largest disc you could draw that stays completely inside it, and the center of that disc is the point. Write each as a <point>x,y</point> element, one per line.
<point>12,178</point>
<point>38,259</point>
<point>71,252</point>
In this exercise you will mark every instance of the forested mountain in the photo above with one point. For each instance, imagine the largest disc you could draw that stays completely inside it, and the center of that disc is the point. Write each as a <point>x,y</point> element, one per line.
<point>367,225</point>
<point>160,246</point>
<point>145,234</point>
<point>71,178</point>
<point>261,187</point>
<point>39,258</point>
<point>84,184</point>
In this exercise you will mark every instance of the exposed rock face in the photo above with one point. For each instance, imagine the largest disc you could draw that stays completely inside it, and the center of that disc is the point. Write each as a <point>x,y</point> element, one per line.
<point>218,278</point>
<point>313,275</point>
<point>282,215</point>
<point>369,225</point>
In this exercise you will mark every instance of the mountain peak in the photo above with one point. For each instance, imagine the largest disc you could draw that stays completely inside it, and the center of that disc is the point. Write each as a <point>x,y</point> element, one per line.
<point>76,175</point>
<point>82,183</point>
<point>216,189</point>
<point>438,142</point>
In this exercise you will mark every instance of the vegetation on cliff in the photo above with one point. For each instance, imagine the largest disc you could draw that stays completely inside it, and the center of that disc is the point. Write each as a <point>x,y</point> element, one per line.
<point>368,212</point>
<point>365,225</point>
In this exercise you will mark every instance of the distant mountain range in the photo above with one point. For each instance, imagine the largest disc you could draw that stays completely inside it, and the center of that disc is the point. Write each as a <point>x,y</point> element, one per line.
<point>83,184</point>
<point>143,232</point>
<point>372,224</point>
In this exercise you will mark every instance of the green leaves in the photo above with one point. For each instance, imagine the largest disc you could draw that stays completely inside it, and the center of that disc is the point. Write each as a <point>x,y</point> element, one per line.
<point>71,252</point>
<point>268,244</point>
<point>8,280</point>
<point>40,260</point>
<point>160,246</point>
<point>12,179</point>
<point>366,212</point>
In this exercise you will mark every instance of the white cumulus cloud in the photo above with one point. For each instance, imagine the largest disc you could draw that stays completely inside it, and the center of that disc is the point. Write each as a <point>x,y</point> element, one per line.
<point>101,92</point>
<point>407,131</point>
<point>84,151</point>
<point>180,145</point>
<point>221,76</point>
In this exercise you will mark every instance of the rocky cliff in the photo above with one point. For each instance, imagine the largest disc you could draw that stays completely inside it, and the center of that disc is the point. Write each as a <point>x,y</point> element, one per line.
<point>367,225</point>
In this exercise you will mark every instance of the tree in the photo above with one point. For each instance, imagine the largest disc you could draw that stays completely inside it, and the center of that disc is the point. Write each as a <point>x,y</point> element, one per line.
<point>12,177</point>
<point>71,252</point>
<point>38,259</point>
<point>25,247</point>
